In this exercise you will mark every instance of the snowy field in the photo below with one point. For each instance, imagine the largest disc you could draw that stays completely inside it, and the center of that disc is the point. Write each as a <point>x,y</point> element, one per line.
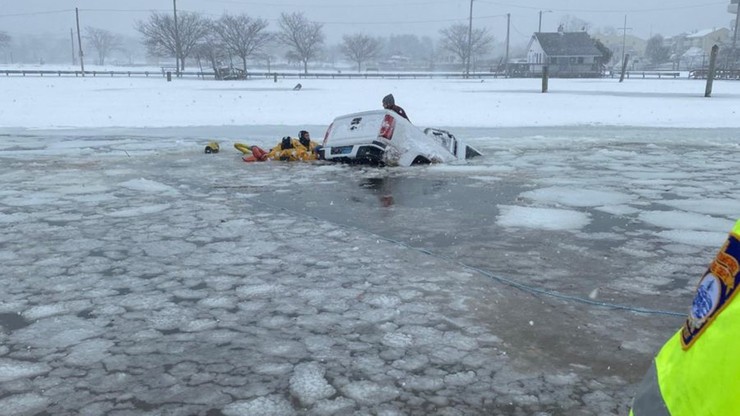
<point>152,102</point>
<point>141,276</point>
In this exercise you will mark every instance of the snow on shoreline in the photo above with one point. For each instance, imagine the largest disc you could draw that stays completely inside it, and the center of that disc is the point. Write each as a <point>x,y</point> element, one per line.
<point>68,102</point>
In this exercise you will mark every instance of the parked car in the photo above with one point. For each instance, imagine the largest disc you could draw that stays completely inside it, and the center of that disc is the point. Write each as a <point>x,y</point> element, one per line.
<point>385,138</point>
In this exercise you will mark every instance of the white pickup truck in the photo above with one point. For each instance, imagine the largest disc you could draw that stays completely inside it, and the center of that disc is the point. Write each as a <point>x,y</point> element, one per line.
<point>383,137</point>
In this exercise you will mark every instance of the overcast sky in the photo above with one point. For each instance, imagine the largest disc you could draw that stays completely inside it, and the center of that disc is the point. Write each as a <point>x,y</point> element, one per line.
<point>382,17</point>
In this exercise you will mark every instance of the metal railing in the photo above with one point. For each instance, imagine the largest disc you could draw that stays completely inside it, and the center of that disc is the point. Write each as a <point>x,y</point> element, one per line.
<point>252,75</point>
<point>647,74</point>
<point>59,73</point>
<point>702,73</point>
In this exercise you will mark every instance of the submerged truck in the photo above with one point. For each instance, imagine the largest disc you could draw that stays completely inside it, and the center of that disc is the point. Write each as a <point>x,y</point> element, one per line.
<point>383,137</point>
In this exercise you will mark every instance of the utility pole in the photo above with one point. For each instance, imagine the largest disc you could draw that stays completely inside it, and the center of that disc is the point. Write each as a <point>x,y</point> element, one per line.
<point>734,37</point>
<point>737,17</point>
<point>539,28</point>
<point>624,37</point>
<point>72,39</point>
<point>508,27</point>
<point>177,40</point>
<point>79,41</point>
<point>470,40</point>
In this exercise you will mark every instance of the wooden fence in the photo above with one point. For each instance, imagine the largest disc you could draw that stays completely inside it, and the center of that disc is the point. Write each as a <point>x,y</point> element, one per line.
<point>721,73</point>
<point>251,75</point>
<point>696,74</point>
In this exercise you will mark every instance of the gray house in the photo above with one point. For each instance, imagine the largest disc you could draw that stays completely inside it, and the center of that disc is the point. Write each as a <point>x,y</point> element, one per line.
<point>566,54</point>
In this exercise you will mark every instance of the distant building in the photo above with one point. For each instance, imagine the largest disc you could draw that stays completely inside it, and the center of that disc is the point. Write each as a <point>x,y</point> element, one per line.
<point>705,39</point>
<point>567,54</point>
<point>691,50</point>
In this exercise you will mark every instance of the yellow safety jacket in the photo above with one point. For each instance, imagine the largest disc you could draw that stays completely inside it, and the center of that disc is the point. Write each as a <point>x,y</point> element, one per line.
<point>697,372</point>
<point>298,152</point>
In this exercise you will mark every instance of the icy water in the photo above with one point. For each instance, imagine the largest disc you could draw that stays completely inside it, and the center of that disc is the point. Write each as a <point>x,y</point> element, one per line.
<point>141,276</point>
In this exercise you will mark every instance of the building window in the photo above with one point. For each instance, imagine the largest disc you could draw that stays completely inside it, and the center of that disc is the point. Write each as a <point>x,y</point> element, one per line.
<point>553,60</point>
<point>580,60</point>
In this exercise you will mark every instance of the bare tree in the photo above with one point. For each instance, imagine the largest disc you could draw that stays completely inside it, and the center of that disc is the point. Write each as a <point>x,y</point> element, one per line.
<point>574,24</point>
<point>212,48</point>
<point>656,52</point>
<point>103,41</point>
<point>243,36</point>
<point>360,48</point>
<point>4,40</point>
<point>455,40</point>
<point>304,38</point>
<point>159,34</point>
<point>606,54</point>
<point>409,45</point>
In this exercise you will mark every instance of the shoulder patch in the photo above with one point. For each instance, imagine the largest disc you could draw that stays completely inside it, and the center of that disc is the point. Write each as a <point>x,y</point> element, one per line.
<point>716,290</point>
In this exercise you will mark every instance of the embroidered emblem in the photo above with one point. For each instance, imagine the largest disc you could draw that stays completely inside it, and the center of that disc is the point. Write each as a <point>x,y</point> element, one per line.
<point>715,291</point>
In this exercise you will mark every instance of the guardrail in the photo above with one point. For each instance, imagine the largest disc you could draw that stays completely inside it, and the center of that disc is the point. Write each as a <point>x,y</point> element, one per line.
<point>702,73</point>
<point>653,74</point>
<point>250,75</point>
<point>698,73</point>
<point>59,73</point>
<point>647,74</point>
<point>383,75</point>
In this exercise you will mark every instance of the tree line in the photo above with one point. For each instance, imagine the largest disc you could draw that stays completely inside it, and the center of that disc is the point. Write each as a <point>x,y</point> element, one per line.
<point>4,40</point>
<point>245,38</point>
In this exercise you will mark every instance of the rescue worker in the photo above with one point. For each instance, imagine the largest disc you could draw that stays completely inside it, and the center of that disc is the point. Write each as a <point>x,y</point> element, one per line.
<point>389,103</point>
<point>314,149</point>
<point>304,138</point>
<point>697,372</point>
<point>289,149</point>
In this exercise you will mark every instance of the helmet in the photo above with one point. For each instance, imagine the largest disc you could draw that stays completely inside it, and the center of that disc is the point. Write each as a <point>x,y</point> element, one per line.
<point>286,143</point>
<point>388,100</point>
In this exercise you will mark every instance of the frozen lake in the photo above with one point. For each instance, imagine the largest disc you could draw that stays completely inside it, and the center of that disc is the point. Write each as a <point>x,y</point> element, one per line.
<point>141,276</point>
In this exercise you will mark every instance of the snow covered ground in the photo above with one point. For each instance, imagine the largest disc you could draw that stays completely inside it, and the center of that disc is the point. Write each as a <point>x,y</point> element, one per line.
<point>152,102</point>
<point>141,276</point>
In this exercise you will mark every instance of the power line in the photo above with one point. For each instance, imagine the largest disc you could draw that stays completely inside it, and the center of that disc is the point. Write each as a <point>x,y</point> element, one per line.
<point>397,22</point>
<point>630,11</point>
<point>425,3</point>
<point>36,13</point>
<point>364,23</point>
<point>82,10</point>
<point>125,10</point>
<point>333,6</point>
<point>327,22</point>
<point>513,26</point>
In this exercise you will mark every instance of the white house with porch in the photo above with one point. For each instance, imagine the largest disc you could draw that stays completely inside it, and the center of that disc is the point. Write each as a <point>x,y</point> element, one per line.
<point>566,54</point>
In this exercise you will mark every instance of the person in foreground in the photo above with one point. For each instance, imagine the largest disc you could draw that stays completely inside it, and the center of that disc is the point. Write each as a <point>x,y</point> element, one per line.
<point>697,372</point>
<point>289,149</point>
<point>389,103</point>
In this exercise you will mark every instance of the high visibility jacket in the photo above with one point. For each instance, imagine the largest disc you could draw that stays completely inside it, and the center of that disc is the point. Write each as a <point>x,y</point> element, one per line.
<point>697,372</point>
<point>296,152</point>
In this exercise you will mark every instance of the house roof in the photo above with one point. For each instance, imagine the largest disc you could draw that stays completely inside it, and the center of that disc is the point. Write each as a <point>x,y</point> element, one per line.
<point>703,33</point>
<point>567,44</point>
